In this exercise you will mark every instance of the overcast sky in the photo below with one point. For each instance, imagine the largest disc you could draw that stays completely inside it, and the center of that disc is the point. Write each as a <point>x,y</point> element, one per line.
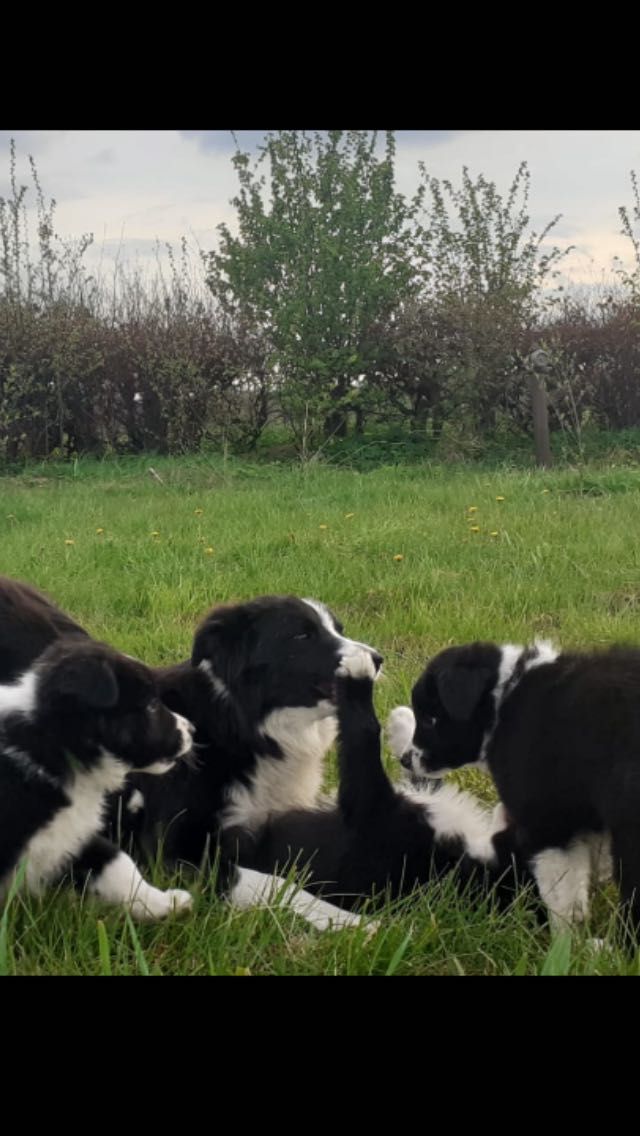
<point>132,187</point>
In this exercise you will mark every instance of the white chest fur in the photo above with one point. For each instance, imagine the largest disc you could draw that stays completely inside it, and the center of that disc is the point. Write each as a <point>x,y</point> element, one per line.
<point>304,734</point>
<point>51,849</point>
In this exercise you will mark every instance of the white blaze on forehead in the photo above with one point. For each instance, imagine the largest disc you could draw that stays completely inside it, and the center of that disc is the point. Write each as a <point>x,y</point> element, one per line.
<point>509,655</point>
<point>347,645</point>
<point>325,616</point>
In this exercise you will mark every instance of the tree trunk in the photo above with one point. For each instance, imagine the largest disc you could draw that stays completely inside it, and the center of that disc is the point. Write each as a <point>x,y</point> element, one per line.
<point>335,423</point>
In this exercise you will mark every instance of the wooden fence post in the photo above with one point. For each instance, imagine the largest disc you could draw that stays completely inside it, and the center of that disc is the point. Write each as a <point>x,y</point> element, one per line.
<point>537,363</point>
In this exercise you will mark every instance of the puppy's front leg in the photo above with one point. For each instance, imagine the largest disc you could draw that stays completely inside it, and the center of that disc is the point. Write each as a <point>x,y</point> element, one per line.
<point>563,876</point>
<point>112,876</point>
<point>364,787</point>
<point>255,889</point>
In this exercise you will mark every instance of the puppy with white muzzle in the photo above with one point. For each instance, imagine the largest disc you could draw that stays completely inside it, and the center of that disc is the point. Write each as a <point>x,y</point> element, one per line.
<point>560,734</point>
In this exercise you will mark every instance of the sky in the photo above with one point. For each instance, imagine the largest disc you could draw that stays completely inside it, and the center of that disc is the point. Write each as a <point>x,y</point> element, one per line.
<point>133,188</point>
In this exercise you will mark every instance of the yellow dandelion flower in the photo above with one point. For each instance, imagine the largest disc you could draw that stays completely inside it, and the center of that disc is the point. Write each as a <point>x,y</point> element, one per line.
<point>198,512</point>
<point>495,533</point>
<point>323,526</point>
<point>209,551</point>
<point>472,509</point>
<point>475,528</point>
<point>69,542</point>
<point>348,516</point>
<point>499,498</point>
<point>398,556</point>
<point>99,532</point>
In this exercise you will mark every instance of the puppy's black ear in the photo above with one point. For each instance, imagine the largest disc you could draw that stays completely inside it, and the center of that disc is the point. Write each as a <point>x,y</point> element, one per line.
<point>461,687</point>
<point>91,682</point>
<point>223,641</point>
<point>220,641</point>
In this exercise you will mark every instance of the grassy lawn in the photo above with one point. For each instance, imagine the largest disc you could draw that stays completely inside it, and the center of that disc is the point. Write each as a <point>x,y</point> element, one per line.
<point>412,558</point>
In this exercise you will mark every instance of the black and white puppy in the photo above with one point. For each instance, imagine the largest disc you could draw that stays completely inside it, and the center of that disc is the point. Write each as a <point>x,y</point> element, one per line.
<point>560,734</point>
<point>71,728</point>
<point>377,838</point>
<point>261,691</point>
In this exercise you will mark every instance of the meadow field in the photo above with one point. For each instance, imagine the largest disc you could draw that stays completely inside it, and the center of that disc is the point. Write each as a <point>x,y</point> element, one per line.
<point>412,558</point>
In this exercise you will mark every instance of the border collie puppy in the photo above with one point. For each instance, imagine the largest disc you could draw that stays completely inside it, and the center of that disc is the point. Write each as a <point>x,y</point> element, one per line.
<point>71,729</point>
<point>260,689</point>
<point>560,734</point>
<point>377,837</point>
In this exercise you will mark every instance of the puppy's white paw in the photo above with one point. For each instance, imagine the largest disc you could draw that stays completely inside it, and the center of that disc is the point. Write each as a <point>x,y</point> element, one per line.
<point>370,927</point>
<point>401,724</point>
<point>356,663</point>
<point>180,900</point>
<point>151,903</point>
<point>340,920</point>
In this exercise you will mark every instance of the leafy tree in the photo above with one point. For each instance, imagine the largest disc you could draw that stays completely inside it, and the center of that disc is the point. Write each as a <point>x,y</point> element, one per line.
<point>323,252</point>
<point>484,271</point>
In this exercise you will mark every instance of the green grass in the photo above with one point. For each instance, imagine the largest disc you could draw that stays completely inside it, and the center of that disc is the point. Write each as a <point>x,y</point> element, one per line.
<point>565,564</point>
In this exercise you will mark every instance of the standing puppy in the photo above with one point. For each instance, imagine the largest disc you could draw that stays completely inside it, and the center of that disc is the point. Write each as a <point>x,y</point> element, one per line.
<point>560,734</point>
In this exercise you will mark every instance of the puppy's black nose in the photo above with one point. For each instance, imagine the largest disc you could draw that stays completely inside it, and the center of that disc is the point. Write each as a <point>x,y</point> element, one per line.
<point>405,760</point>
<point>377,660</point>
